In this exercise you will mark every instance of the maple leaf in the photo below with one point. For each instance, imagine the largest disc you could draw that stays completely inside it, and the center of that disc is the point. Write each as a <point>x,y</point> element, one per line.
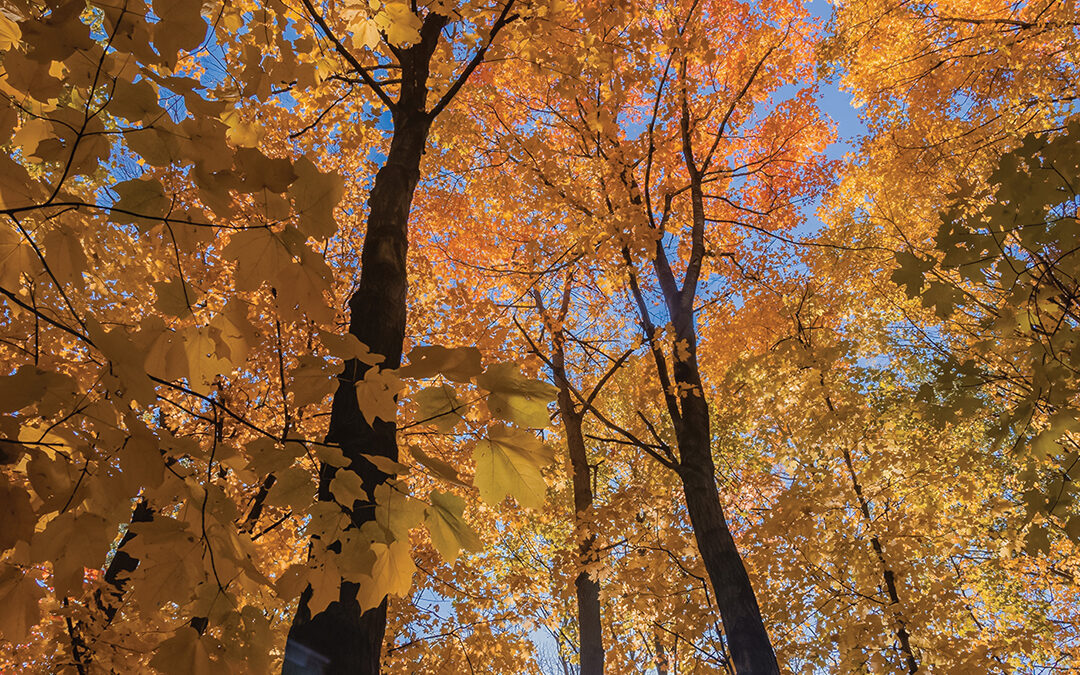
<point>376,394</point>
<point>436,466</point>
<point>446,524</point>
<point>183,653</point>
<point>508,462</point>
<point>514,397</point>
<point>391,574</point>
<point>20,594</point>
<point>438,406</point>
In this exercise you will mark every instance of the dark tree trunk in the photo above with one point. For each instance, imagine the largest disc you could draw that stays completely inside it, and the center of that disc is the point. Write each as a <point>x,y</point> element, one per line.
<point>751,650</point>
<point>588,589</point>
<point>349,639</point>
<point>748,640</point>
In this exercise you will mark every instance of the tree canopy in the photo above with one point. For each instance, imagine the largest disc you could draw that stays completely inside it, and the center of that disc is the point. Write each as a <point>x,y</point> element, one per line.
<point>533,336</point>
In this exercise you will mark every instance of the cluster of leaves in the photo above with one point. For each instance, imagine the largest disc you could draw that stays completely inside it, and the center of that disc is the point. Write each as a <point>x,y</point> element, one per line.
<point>183,199</point>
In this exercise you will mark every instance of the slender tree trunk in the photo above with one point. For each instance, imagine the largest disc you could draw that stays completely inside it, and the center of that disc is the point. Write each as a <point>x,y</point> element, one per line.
<point>751,650</point>
<point>888,577</point>
<point>351,640</point>
<point>590,628</point>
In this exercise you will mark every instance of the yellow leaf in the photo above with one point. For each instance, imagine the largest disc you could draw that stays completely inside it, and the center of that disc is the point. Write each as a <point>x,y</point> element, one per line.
<point>293,488</point>
<point>376,393</point>
<point>347,488</point>
<point>516,398</point>
<point>234,333</point>
<point>71,543</point>
<point>140,202</point>
<point>314,195</point>
<point>312,381</point>
<point>395,511</point>
<point>399,23</point>
<point>31,134</point>
<point>459,364</point>
<point>135,101</point>
<point>325,583</point>
<point>16,514</point>
<point>348,347</point>
<point>175,297</point>
<point>9,33</point>
<point>332,455</point>
<point>438,406</point>
<point>19,595</point>
<point>390,574</point>
<point>437,467</point>
<point>260,256</point>
<point>65,257</point>
<point>366,33</point>
<point>183,654</point>
<point>203,363</point>
<point>446,524</point>
<point>508,462</point>
<point>16,256</point>
<point>240,133</point>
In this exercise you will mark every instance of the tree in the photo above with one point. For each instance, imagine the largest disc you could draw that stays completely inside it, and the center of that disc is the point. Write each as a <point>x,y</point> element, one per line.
<point>64,131</point>
<point>643,193</point>
<point>390,337</point>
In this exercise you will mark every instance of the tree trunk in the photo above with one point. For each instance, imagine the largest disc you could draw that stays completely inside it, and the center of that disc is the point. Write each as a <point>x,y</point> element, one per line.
<point>751,650</point>
<point>888,576</point>
<point>345,638</point>
<point>590,629</point>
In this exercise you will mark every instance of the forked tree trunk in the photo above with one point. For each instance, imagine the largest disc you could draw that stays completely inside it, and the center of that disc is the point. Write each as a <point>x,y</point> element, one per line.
<point>748,640</point>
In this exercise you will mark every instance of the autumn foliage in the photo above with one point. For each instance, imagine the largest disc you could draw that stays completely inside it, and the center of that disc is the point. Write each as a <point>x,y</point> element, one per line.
<point>531,336</point>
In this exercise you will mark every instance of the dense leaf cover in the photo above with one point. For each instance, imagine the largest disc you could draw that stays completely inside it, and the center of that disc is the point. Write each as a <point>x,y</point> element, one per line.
<point>524,336</point>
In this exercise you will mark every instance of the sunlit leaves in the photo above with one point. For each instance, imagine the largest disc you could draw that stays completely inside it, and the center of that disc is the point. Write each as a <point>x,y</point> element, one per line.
<point>516,398</point>
<point>509,462</point>
<point>391,573</point>
<point>449,532</point>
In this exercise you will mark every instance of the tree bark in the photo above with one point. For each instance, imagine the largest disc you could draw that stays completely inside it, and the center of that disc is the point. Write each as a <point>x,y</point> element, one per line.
<point>748,640</point>
<point>349,639</point>
<point>751,650</point>
<point>590,629</point>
